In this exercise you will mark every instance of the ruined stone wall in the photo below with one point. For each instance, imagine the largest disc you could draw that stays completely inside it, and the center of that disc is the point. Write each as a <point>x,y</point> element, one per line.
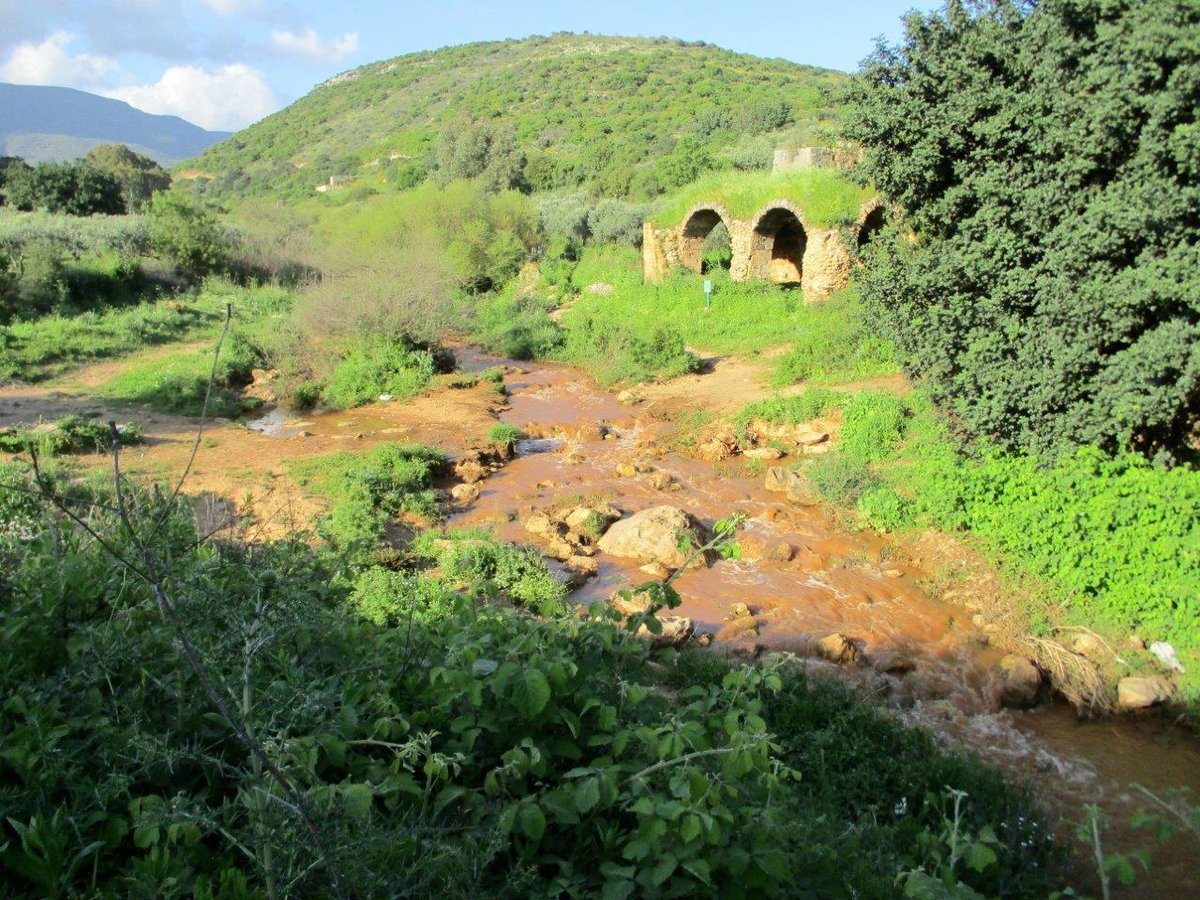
<point>820,261</point>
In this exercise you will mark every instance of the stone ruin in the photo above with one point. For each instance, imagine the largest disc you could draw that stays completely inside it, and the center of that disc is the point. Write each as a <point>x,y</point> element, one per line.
<point>776,244</point>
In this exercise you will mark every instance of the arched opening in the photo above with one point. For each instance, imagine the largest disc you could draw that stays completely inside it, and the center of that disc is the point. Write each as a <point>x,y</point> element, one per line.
<point>779,244</point>
<point>696,231</point>
<point>716,254</point>
<point>871,225</point>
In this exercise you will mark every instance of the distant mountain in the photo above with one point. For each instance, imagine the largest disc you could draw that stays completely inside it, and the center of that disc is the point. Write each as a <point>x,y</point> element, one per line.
<point>615,115</point>
<point>42,123</point>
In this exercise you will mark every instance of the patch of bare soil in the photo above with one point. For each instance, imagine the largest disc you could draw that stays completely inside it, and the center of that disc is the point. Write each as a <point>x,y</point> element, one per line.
<point>239,473</point>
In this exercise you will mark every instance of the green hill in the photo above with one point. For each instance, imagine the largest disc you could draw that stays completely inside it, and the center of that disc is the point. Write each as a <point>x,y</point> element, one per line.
<point>625,117</point>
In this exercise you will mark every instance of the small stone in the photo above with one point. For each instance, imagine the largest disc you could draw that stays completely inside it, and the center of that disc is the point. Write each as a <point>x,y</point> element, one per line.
<point>811,438</point>
<point>704,640</point>
<point>838,648</point>
<point>893,573</point>
<point>642,467</point>
<point>1088,646</point>
<point>1021,682</point>
<point>779,479</point>
<point>590,431</point>
<point>465,493</point>
<point>583,565</point>
<point>657,571</point>
<point>626,470</point>
<point>557,548</point>
<point>764,453</point>
<point>633,605</point>
<point>818,449</point>
<point>778,551</point>
<point>540,523</point>
<point>628,398</point>
<point>1137,692</point>
<point>385,398</point>
<point>738,611</point>
<point>660,481</point>
<point>470,471</point>
<point>676,630</point>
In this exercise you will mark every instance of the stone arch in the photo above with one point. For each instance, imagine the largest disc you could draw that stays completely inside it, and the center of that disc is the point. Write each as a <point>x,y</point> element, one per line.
<point>778,241</point>
<point>697,225</point>
<point>870,223</point>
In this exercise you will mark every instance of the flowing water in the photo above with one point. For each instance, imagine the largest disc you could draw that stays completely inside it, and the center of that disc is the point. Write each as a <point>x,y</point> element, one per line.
<point>838,581</point>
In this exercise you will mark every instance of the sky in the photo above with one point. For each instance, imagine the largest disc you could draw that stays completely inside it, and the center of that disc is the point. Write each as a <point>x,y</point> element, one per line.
<point>224,64</point>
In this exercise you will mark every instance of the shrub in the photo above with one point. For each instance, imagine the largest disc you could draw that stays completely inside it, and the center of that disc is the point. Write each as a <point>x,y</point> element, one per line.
<point>504,434</point>
<point>840,478</point>
<point>377,366</point>
<point>386,597</point>
<point>481,562</point>
<point>184,232</point>
<point>68,435</point>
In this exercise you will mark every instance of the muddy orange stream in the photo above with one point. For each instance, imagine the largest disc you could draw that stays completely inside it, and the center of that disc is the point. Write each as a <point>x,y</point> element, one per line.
<point>838,581</point>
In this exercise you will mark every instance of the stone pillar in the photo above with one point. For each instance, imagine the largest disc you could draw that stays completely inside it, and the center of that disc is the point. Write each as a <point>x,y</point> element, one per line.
<point>741,235</point>
<point>654,257</point>
<point>826,265</point>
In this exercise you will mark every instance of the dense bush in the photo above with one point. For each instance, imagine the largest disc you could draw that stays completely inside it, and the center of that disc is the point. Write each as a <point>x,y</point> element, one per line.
<point>188,235</point>
<point>375,366</point>
<point>67,435</point>
<point>138,177</point>
<point>74,188</point>
<point>1046,157</point>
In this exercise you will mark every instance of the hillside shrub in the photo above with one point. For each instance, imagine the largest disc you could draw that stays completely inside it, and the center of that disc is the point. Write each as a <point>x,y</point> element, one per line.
<point>1044,158</point>
<point>70,434</point>
<point>188,235</point>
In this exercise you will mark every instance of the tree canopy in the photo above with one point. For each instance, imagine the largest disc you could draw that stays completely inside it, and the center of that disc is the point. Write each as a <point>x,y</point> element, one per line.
<point>1046,158</point>
<point>75,188</point>
<point>138,176</point>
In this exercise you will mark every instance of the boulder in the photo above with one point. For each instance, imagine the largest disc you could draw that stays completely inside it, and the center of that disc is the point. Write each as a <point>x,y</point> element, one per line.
<point>713,451</point>
<point>811,438</point>
<point>838,648</point>
<point>657,571</point>
<point>778,551</point>
<point>654,535</point>
<point>590,431</point>
<point>738,611</point>
<point>1020,682</point>
<point>626,470</point>
<point>465,493</point>
<point>628,398</point>
<point>676,631</point>
<point>557,548</point>
<point>633,605</point>
<point>1087,645</point>
<point>1136,692</point>
<point>590,522</point>
<point>767,453</point>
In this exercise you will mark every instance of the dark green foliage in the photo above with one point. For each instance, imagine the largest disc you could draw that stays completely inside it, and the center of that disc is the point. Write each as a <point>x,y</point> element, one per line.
<point>74,188</point>
<point>443,746</point>
<point>68,435</point>
<point>139,176</point>
<point>1046,156</point>
<point>517,325</point>
<point>620,117</point>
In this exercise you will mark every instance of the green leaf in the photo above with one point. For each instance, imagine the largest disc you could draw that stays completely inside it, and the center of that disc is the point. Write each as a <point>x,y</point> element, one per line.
<point>532,821</point>
<point>484,667</point>
<point>979,857</point>
<point>587,795</point>
<point>663,870</point>
<point>532,692</point>
<point>357,799</point>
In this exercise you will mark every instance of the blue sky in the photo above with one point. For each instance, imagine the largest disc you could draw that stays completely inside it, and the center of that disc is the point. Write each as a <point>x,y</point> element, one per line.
<point>226,63</point>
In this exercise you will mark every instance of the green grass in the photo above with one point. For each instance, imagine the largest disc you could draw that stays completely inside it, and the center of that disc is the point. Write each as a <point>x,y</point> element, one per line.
<point>504,434</point>
<point>827,199</point>
<point>178,383</point>
<point>51,346</point>
<point>831,340</point>
<point>67,435</point>
<point>374,367</point>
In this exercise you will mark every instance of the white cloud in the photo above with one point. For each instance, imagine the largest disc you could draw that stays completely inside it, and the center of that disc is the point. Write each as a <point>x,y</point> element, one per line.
<point>223,99</point>
<point>50,62</point>
<point>309,44</point>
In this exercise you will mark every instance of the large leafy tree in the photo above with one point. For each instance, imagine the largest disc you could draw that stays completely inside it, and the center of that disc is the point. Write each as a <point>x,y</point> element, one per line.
<point>139,176</point>
<point>1046,158</point>
<point>73,188</point>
